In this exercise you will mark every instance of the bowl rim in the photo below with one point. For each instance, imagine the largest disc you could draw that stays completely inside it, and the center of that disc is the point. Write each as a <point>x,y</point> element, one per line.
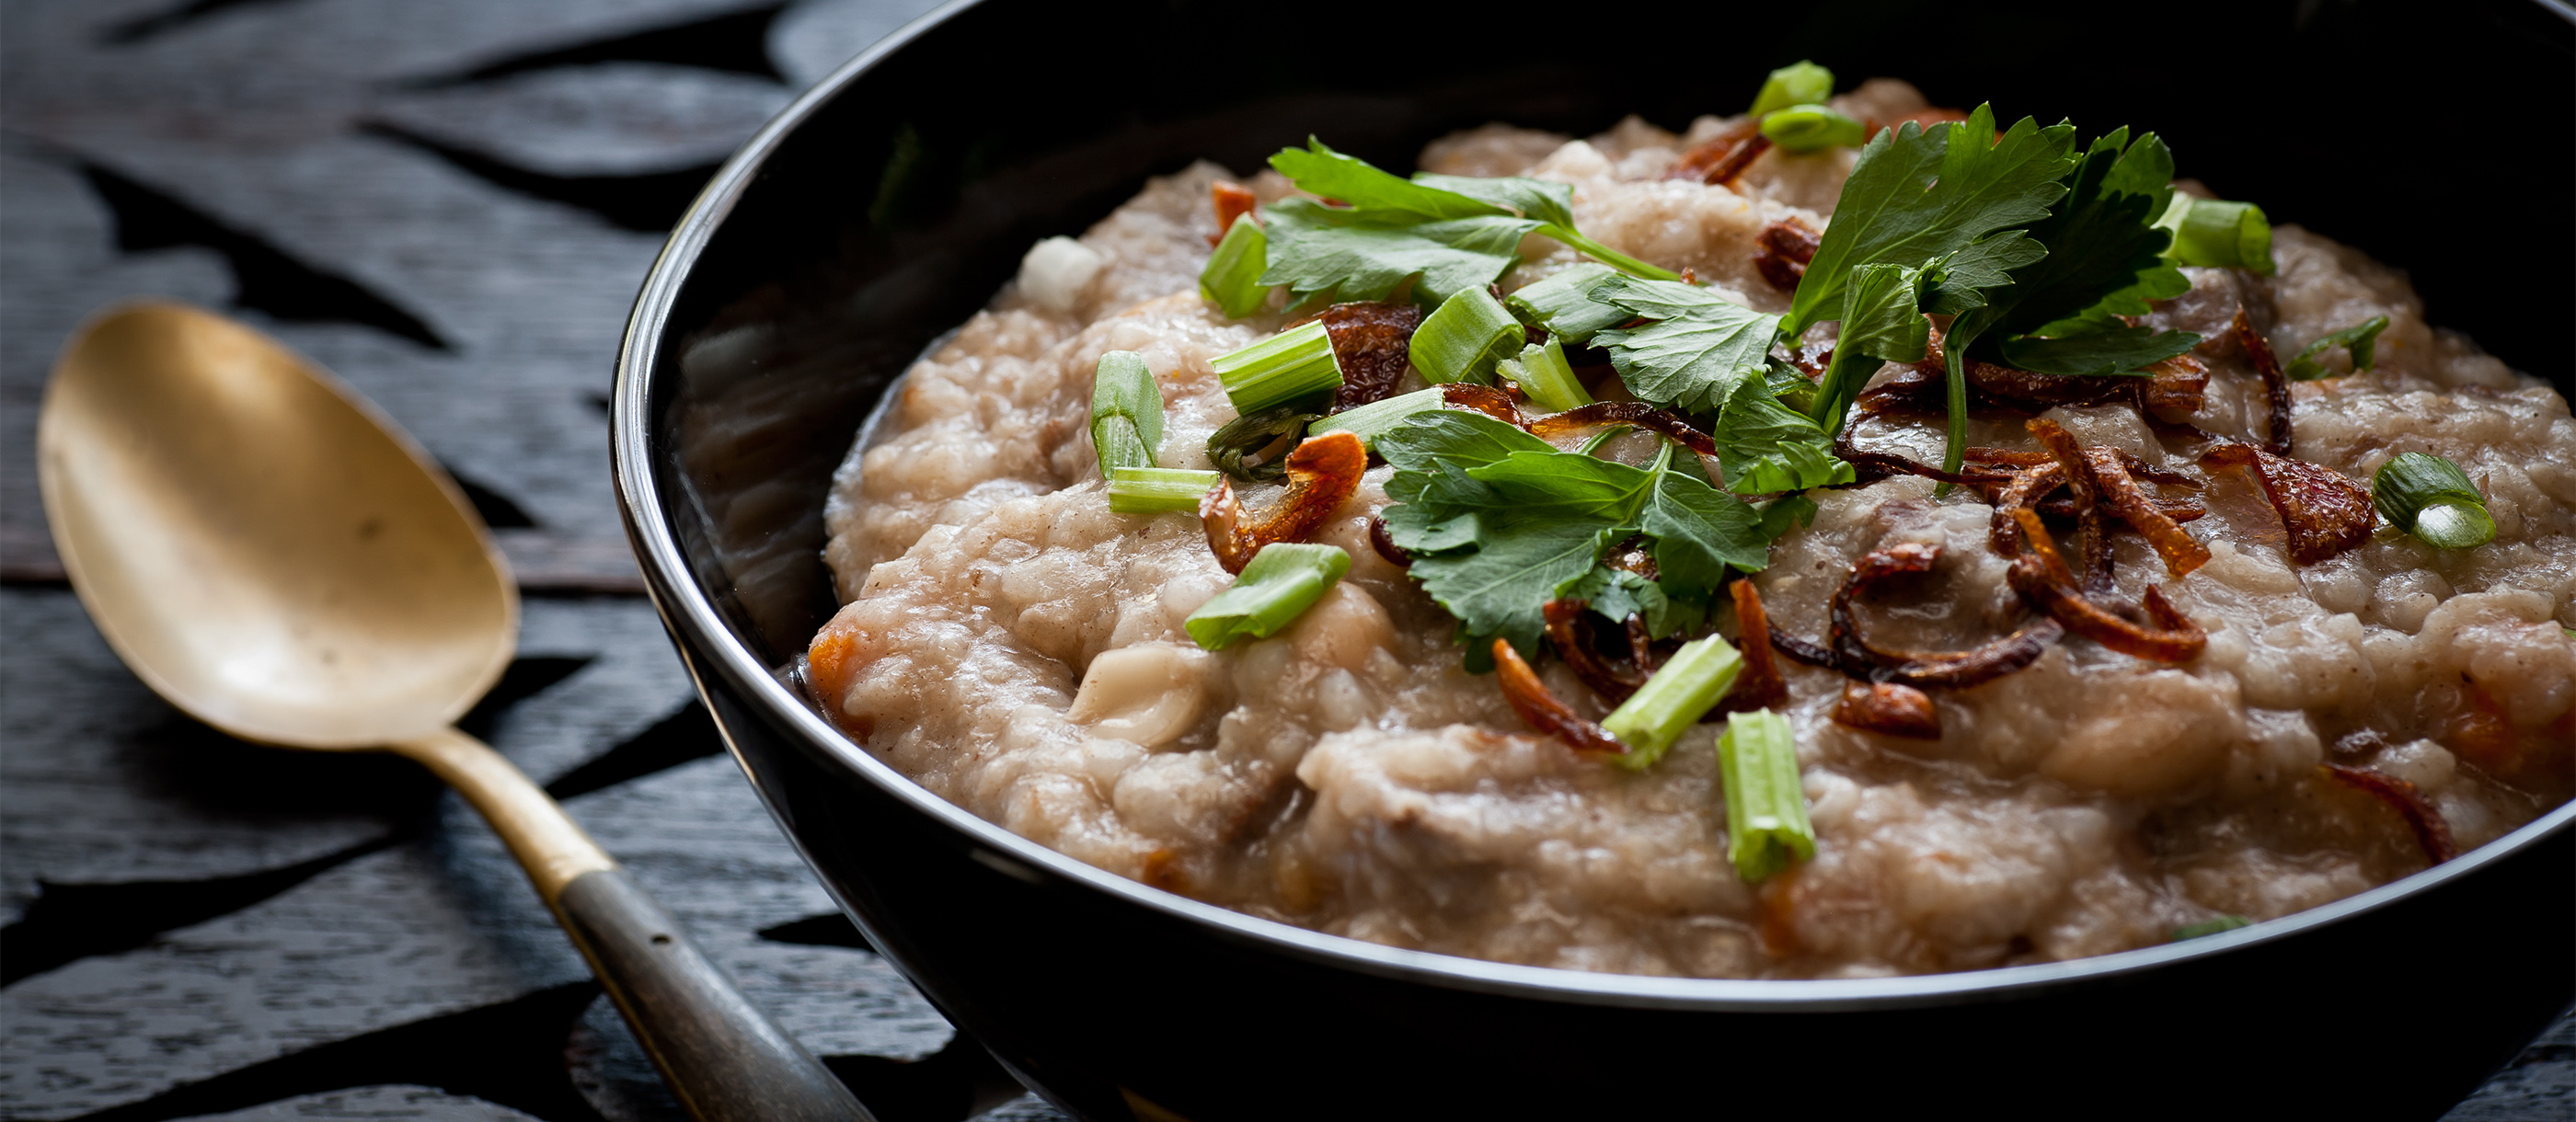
<point>688,612</point>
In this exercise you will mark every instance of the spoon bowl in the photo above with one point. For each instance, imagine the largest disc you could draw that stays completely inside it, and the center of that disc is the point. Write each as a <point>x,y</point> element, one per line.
<point>258,544</point>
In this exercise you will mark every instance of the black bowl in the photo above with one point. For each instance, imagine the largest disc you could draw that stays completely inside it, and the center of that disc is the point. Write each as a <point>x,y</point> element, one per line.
<point>890,202</point>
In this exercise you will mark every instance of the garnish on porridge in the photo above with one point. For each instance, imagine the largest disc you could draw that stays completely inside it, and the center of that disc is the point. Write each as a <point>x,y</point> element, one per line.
<point>1850,537</point>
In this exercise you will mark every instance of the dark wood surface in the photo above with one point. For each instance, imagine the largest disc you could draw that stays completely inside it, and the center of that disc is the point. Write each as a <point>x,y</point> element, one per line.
<point>450,203</point>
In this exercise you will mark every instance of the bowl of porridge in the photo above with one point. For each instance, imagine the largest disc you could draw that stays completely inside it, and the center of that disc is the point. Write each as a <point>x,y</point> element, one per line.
<point>1485,619</point>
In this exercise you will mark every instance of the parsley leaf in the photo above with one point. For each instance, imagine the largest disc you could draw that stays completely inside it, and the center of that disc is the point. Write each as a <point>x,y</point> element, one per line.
<point>1880,324</point>
<point>1617,594</point>
<point>1915,195</point>
<point>2122,350</point>
<point>1763,445</point>
<point>1451,232</point>
<point>1699,349</point>
<point>2105,252</point>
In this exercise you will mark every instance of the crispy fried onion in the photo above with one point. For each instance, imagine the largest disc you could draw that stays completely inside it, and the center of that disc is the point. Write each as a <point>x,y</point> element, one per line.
<point>1487,400</point>
<point>1638,413</point>
<point>1787,246</point>
<point>1570,629</point>
<point>1759,685</point>
<point>1323,473</point>
<point>1860,659</point>
<point>1233,200</point>
<point>1540,707</point>
<point>1721,158</point>
<point>1384,543</point>
<point>2088,500</point>
<point>2324,512</point>
<point>2275,383</point>
<point>1372,342</point>
<point>2175,385</point>
<point>2431,831</point>
<point>2041,577</point>
<point>1890,709</point>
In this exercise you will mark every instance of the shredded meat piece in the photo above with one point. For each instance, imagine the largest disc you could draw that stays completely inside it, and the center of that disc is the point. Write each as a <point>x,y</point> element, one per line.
<point>2041,577</point>
<point>2088,500</point>
<point>2120,491</point>
<point>2324,512</point>
<point>1720,158</point>
<point>1384,543</point>
<point>1638,413</point>
<point>1323,473</point>
<point>2432,831</point>
<point>1486,400</point>
<point>1760,685</point>
<point>1983,663</point>
<point>1539,706</point>
<point>1889,708</point>
<point>1372,343</point>
<point>1233,200</point>
<point>2275,383</point>
<point>1569,630</point>
<point>1787,246</point>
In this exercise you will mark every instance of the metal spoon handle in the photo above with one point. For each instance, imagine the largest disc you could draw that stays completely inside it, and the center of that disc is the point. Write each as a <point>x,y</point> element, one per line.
<point>723,1058</point>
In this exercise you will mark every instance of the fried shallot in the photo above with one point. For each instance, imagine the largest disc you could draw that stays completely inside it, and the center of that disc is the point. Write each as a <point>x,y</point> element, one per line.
<point>1720,158</point>
<point>1570,626</point>
<point>1890,709</point>
<point>1603,413</point>
<point>1787,246</point>
<point>2324,512</point>
<point>2088,500</point>
<point>1539,706</point>
<point>1233,200</point>
<point>2174,385</point>
<point>1984,663</point>
<point>1487,400</point>
<point>2432,831</point>
<point>2275,383</point>
<point>1372,343</point>
<point>2041,577</point>
<point>1323,473</point>
<point>2121,493</point>
<point>1384,543</point>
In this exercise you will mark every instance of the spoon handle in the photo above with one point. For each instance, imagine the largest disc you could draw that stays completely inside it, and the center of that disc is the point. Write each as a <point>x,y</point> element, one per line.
<point>723,1058</point>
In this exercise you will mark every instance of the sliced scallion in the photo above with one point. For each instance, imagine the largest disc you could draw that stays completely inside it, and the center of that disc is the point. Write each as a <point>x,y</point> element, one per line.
<point>1462,339</point>
<point>2210,927</point>
<point>1232,279</point>
<point>1281,582</point>
<point>1126,412</point>
<point>1812,128</point>
<point>2361,339</point>
<point>1799,83</point>
<point>1542,373</point>
<point>1677,696</point>
<point>1151,490</point>
<point>2431,498</point>
<point>1379,417</point>
<point>1279,369</point>
<point>2218,234</point>
<point>1766,805</point>
<point>1562,303</point>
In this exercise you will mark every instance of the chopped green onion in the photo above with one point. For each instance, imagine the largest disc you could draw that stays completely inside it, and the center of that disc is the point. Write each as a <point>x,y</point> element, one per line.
<point>1542,373</point>
<point>1283,580</point>
<point>2218,234</point>
<point>1148,490</point>
<point>1799,83</point>
<point>2361,339</point>
<point>1126,412</point>
<point>1279,427</point>
<point>1562,303</point>
<point>2431,498</point>
<point>1675,698</point>
<point>1810,128</point>
<point>1279,369</point>
<point>1766,806</point>
<point>1462,339</point>
<point>1377,418</point>
<point>1232,279</point>
<point>2209,927</point>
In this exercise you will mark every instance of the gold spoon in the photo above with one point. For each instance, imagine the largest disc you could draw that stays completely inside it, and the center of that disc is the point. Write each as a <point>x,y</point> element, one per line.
<point>276,558</point>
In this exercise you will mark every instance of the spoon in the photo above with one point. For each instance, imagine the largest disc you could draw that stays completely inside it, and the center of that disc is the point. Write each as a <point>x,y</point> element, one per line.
<point>272,555</point>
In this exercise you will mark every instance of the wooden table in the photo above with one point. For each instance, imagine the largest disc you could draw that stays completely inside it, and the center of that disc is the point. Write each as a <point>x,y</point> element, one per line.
<point>450,203</point>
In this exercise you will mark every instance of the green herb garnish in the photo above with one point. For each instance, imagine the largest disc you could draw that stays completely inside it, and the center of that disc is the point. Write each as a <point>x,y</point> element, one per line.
<point>1811,128</point>
<point>1126,412</point>
<point>1280,583</point>
<point>1766,805</point>
<point>1369,421</point>
<point>1679,693</point>
<point>1232,278</point>
<point>1880,324</point>
<point>1698,349</point>
<point>1445,233</point>
<point>1282,368</point>
<point>1151,490</point>
<point>2361,339</point>
<point>2218,234</point>
<point>1542,373</point>
<point>2431,498</point>
<point>1279,427</point>
<point>2209,927</point>
<point>1799,83</point>
<point>1562,304</point>
<point>1462,339</point>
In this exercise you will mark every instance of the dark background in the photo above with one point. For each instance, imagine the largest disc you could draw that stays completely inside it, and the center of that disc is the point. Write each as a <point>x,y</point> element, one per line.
<point>450,203</point>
